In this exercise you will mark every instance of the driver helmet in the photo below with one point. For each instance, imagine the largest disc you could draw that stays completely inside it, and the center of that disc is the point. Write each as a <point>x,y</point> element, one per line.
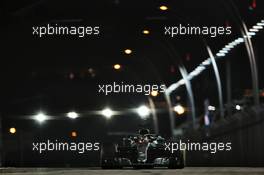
<point>143,131</point>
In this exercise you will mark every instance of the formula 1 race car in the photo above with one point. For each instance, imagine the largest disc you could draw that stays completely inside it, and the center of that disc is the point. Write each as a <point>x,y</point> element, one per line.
<point>143,150</point>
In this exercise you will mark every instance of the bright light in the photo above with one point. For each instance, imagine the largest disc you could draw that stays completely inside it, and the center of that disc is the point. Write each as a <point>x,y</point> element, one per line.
<point>143,111</point>
<point>154,93</point>
<point>128,51</point>
<point>108,113</point>
<point>40,117</point>
<point>200,68</point>
<point>239,40</point>
<point>220,54</point>
<point>206,62</point>
<point>223,51</point>
<point>211,108</point>
<point>193,74</point>
<point>257,27</point>
<point>182,82</point>
<point>74,134</point>
<point>179,109</point>
<point>146,32</point>
<point>12,130</point>
<point>246,36</point>
<point>251,33</point>
<point>235,42</point>
<point>230,46</point>
<point>163,8</point>
<point>238,107</point>
<point>260,24</point>
<point>117,66</point>
<point>253,30</point>
<point>72,115</point>
<point>226,49</point>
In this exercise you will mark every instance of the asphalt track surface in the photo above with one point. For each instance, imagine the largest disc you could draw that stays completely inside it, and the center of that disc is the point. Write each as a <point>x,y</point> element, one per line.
<point>97,171</point>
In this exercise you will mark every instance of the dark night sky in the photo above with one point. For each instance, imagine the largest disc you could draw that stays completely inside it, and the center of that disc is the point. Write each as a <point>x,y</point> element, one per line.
<point>35,71</point>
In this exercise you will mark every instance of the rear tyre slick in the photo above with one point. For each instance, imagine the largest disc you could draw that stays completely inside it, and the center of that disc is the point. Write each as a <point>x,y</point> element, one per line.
<point>108,159</point>
<point>176,162</point>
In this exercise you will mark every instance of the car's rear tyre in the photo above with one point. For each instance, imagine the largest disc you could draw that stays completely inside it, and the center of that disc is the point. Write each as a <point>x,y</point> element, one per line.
<point>108,159</point>
<point>176,162</point>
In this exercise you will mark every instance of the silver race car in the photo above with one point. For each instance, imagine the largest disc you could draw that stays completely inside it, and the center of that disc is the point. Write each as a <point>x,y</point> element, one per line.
<point>143,150</point>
